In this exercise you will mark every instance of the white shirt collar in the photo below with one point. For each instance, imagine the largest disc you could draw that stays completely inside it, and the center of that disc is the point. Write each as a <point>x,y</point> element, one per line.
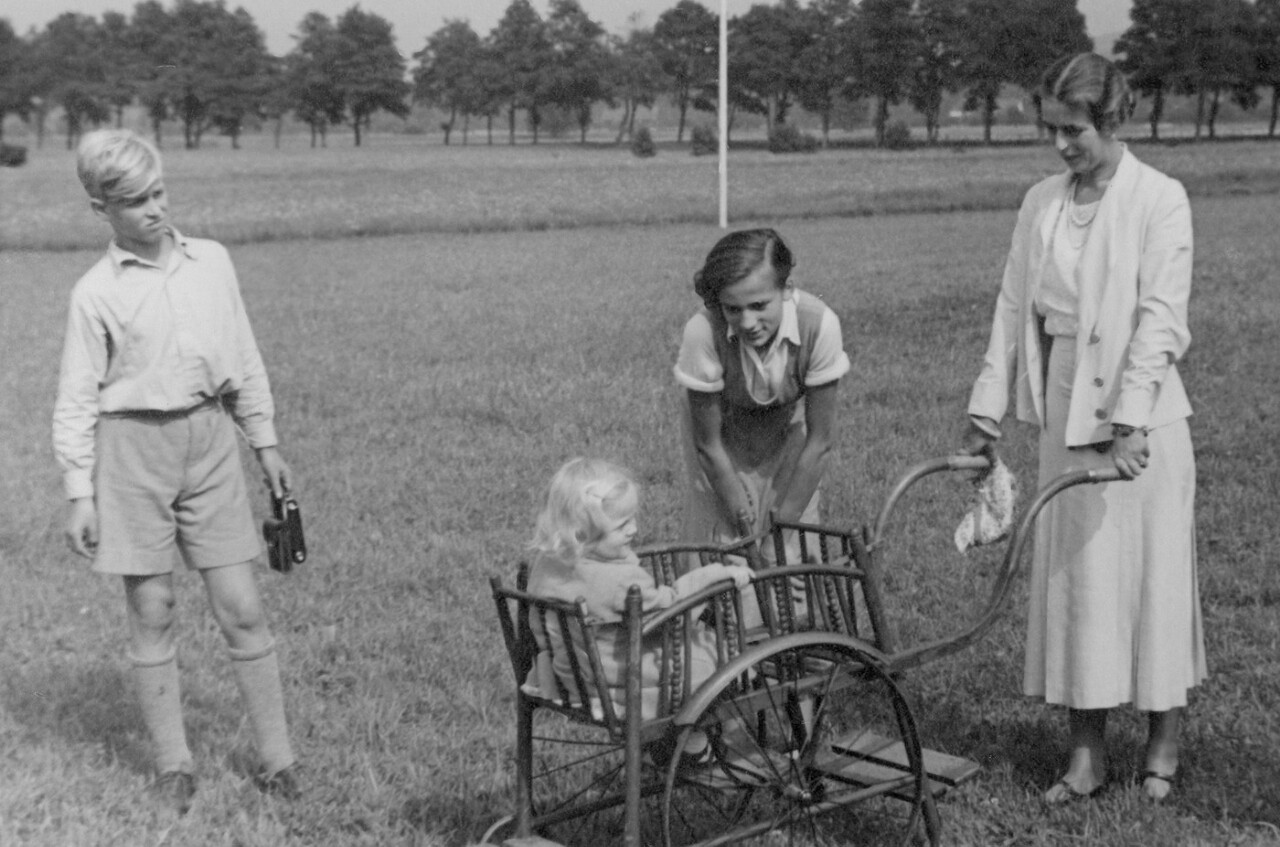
<point>121,257</point>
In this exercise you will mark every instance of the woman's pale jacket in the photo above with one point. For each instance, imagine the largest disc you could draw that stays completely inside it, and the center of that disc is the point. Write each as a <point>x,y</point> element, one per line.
<point>1133,279</point>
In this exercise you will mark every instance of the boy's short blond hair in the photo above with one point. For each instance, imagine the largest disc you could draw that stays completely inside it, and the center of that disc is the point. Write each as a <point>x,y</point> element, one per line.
<point>114,164</point>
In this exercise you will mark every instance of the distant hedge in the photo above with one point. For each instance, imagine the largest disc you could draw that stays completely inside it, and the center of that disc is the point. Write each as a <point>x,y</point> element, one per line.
<point>12,155</point>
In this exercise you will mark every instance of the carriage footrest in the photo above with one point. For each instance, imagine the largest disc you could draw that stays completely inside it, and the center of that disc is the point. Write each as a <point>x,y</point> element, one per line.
<point>877,759</point>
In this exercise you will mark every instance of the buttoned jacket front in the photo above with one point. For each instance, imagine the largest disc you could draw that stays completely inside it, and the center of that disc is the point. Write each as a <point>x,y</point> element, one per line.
<point>1134,281</point>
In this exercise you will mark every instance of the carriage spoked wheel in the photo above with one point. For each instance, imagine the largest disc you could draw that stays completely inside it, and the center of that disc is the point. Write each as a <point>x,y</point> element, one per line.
<point>813,744</point>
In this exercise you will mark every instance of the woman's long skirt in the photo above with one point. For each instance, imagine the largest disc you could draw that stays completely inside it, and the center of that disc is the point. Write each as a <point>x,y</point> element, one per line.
<point>1114,613</point>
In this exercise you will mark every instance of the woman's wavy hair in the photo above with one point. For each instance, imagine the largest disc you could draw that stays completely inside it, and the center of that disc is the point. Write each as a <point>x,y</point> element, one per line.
<point>1088,81</point>
<point>585,497</point>
<point>735,257</point>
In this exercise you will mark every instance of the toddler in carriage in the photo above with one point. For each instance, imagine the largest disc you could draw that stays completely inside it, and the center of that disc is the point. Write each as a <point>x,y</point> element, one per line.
<point>582,546</point>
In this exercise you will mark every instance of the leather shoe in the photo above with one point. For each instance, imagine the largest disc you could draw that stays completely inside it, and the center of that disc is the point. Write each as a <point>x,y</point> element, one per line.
<point>175,789</point>
<point>284,783</point>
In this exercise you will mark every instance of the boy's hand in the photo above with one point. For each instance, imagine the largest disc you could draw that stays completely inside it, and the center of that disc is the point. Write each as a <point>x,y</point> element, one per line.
<point>741,574</point>
<point>82,527</point>
<point>278,477</point>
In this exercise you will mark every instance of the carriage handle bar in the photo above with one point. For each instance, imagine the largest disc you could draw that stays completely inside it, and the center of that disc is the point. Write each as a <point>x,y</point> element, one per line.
<point>1003,585</point>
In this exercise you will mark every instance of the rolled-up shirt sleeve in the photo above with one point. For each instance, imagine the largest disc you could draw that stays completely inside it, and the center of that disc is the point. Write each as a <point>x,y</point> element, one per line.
<point>828,361</point>
<point>698,367</point>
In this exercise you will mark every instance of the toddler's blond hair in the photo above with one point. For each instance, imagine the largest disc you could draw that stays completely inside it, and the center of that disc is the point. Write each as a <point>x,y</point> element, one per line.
<point>584,497</point>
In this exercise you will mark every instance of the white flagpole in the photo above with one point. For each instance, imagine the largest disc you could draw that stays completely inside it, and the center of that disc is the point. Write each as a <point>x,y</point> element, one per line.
<point>724,114</point>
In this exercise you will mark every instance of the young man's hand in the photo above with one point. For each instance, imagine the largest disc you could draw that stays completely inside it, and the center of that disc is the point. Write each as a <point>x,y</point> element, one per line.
<point>276,471</point>
<point>82,527</point>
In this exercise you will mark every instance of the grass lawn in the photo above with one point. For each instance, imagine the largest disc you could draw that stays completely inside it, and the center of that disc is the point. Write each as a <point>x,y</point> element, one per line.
<point>429,384</point>
<point>410,184</point>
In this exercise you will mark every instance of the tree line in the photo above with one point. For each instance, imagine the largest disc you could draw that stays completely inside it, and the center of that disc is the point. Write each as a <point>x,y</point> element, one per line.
<point>205,66</point>
<point>208,67</point>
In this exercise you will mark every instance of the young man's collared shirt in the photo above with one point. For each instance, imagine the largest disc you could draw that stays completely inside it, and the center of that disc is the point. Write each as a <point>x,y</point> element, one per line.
<point>141,338</point>
<point>698,367</point>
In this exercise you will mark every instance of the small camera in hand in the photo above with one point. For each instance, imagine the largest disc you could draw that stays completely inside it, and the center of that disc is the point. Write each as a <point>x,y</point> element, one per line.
<point>283,531</point>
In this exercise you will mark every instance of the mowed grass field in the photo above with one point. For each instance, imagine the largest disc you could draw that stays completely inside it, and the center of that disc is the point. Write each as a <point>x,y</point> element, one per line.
<point>411,184</point>
<point>429,383</point>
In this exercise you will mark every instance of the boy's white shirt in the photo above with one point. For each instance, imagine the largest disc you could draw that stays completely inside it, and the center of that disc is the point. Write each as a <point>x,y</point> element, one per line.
<point>698,366</point>
<point>144,338</point>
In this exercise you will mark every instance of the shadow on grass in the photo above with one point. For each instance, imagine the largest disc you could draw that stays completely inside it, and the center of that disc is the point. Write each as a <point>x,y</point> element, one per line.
<point>1026,747</point>
<point>1221,777</point>
<point>465,818</point>
<point>90,706</point>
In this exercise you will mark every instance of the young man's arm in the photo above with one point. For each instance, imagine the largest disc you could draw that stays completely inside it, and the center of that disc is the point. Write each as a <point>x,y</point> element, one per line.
<point>75,419</point>
<point>254,408</point>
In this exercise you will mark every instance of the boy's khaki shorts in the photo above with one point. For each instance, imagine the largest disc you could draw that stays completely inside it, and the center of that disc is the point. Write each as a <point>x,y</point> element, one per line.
<point>171,483</point>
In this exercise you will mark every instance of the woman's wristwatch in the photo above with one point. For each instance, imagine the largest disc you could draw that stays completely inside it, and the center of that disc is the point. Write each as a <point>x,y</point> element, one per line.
<point>1119,430</point>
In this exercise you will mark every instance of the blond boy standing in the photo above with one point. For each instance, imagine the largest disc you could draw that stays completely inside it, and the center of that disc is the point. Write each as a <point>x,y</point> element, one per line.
<point>159,368</point>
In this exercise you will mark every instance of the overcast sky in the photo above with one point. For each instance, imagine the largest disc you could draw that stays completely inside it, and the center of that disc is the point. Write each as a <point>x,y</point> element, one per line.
<point>413,20</point>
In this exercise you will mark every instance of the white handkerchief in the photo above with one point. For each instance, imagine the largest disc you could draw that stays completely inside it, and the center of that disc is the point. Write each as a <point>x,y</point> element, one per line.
<point>991,517</point>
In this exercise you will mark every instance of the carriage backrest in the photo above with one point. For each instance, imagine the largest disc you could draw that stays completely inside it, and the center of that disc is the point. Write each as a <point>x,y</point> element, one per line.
<point>844,598</point>
<point>533,630</point>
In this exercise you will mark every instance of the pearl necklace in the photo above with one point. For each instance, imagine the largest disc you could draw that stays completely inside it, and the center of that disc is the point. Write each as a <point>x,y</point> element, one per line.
<point>1082,215</point>
<point>1079,219</point>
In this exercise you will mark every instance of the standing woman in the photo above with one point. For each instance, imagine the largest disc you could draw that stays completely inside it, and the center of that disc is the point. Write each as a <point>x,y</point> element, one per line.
<point>1090,320</point>
<point>760,363</point>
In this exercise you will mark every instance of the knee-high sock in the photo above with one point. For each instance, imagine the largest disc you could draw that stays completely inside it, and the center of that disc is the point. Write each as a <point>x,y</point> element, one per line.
<point>258,676</point>
<point>160,698</point>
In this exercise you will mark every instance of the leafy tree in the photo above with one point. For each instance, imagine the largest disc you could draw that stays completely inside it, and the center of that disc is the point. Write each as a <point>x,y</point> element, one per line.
<point>215,65</point>
<point>637,76</point>
<point>368,69</point>
<point>582,68</point>
<point>937,66</point>
<point>1014,41</point>
<point>890,42</point>
<point>491,84</point>
<point>121,63</point>
<point>1269,55</point>
<point>981,69</point>
<point>687,39</point>
<point>68,71</point>
<point>15,94</point>
<point>239,97</point>
<point>520,43</point>
<point>277,100</point>
<point>1155,51</point>
<point>829,60</point>
<point>766,44</point>
<point>446,73</point>
<point>1222,57</point>
<point>149,35</point>
<point>310,69</point>
<point>1036,34</point>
